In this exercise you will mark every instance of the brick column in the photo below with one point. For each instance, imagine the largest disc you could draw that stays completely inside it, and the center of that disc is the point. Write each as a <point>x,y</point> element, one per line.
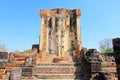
<point>41,34</point>
<point>116,48</point>
<point>78,29</point>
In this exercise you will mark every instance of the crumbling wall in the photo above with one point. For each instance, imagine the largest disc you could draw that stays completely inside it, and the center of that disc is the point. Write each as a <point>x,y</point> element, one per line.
<point>116,48</point>
<point>98,66</point>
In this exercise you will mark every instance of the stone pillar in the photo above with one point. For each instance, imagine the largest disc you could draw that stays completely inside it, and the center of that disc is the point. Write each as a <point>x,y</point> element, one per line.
<point>116,48</point>
<point>47,37</point>
<point>76,16</point>
<point>41,34</point>
<point>79,32</point>
<point>67,37</point>
<point>44,27</point>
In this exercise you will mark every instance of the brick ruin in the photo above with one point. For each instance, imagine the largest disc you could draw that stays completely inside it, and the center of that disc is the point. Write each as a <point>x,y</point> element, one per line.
<point>116,48</point>
<point>59,54</point>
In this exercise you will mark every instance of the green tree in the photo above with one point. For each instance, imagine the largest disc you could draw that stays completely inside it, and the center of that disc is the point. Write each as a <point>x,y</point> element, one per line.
<point>27,50</point>
<point>106,46</point>
<point>3,48</point>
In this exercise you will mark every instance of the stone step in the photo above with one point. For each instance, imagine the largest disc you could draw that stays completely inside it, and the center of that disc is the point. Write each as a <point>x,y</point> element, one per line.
<point>57,77</point>
<point>53,71</point>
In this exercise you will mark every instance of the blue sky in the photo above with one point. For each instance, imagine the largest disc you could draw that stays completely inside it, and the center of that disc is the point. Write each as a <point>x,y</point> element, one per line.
<point>20,21</point>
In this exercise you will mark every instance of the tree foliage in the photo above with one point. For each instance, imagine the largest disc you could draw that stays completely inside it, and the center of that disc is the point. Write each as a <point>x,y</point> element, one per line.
<point>3,48</point>
<point>27,50</point>
<point>106,46</point>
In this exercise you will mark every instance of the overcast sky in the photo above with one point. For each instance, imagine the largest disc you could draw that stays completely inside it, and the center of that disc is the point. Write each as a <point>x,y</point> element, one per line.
<point>20,21</point>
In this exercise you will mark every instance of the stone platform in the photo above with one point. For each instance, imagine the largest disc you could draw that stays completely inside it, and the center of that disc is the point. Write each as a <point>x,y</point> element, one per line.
<point>52,71</point>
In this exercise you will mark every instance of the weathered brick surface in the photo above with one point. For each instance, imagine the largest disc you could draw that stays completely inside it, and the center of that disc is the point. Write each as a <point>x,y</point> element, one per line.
<point>60,34</point>
<point>27,72</point>
<point>15,74</point>
<point>116,48</point>
<point>99,67</point>
<point>57,71</point>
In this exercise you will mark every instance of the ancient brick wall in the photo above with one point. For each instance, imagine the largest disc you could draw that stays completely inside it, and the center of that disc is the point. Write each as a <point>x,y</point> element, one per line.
<point>99,67</point>
<point>116,48</point>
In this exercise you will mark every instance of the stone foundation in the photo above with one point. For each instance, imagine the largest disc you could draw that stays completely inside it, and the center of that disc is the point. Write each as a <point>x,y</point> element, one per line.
<point>56,71</point>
